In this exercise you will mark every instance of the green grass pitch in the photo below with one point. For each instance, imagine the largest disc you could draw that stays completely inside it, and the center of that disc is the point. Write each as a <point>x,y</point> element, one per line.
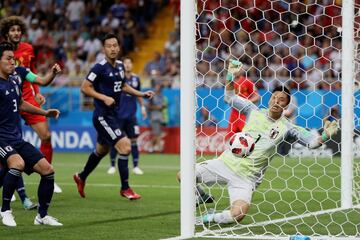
<point>103,214</point>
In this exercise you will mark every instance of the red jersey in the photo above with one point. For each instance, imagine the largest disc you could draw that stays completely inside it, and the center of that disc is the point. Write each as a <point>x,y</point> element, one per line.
<point>245,88</point>
<point>24,56</point>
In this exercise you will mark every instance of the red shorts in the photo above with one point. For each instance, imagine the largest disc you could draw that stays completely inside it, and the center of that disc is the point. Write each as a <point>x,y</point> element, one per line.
<point>29,118</point>
<point>236,123</point>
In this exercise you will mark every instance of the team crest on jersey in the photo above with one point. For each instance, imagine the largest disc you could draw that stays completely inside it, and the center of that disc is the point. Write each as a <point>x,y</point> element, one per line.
<point>122,74</point>
<point>134,83</point>
<point>274,133</point>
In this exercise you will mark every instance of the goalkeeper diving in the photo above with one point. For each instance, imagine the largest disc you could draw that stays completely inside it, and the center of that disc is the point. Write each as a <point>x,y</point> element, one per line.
<point>243,175</point>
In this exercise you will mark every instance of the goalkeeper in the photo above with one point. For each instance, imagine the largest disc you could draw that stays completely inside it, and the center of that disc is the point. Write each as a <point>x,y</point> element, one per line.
<point>270,127</point>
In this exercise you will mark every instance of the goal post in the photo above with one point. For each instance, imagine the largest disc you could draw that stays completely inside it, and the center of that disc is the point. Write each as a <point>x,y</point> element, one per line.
<point>347,93</point>
<point>187,115</point>
<point>308,46</point>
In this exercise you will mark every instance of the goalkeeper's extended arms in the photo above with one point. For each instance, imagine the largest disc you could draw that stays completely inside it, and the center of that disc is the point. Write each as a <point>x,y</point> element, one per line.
<point>233,68</point>
<point>330,129</point>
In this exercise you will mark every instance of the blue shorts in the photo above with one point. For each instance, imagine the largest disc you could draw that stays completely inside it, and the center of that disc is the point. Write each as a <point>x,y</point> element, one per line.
<point>30,154</point>
<point>130,127</point>
<point>108,129</point>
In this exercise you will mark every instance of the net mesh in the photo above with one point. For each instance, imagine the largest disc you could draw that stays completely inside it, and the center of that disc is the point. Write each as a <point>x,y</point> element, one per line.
<point>281,43</point>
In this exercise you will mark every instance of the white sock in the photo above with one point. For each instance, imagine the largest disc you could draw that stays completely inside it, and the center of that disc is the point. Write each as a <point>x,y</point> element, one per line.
<point>223,217</point>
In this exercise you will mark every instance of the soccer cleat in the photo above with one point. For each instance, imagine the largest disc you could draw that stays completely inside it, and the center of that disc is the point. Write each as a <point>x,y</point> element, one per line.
<point>130,194</point>
<point>8,218</point>
<point>80,185</point>
<point>47,220</point>
<point>13,198</point>
<point>137,171</point>
<point>29,205</point>
<point>57,189</point>
<point>111,170</point>
<point>204,198</point>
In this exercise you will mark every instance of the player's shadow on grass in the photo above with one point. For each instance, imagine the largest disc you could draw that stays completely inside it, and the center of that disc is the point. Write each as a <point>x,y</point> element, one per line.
<point>133,218</point>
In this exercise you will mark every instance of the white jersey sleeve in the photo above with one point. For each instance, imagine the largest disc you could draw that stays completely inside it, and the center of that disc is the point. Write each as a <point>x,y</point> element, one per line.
<point>305,137</point>
<point>241,104</point>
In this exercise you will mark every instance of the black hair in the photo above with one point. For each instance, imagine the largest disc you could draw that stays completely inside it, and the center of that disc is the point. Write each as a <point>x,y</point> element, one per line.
<point>108,36</point>
<point>127,58</point>
<point>283,89</point>
<point>5,46</point>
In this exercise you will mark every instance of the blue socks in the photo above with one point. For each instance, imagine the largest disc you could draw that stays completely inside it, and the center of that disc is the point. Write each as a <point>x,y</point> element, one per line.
<point>91,164</point>
<point>9,184</point>
<point>45,193</point>
<point>135,154</point>
<point>124,171</point>
<point>113,154</point>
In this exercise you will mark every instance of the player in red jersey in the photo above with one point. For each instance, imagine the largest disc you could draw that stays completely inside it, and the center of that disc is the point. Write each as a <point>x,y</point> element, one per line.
<point>245,88</point>
<point>12,29</point>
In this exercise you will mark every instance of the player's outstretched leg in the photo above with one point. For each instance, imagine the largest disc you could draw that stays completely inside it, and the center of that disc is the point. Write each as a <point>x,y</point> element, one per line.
<point>113,154</point>
<point>26,202</point>
<point>45,193</point>
<point>80,178</point>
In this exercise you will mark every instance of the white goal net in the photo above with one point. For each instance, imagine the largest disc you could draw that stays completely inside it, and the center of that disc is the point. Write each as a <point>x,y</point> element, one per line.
<point>297,44</point>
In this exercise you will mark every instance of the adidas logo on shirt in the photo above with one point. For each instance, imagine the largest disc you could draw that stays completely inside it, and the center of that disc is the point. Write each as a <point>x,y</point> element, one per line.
<point>7,92</point>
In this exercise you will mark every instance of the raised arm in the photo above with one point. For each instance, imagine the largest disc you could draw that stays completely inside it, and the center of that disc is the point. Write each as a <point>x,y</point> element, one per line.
<point>241,104</point>
<point>49,77</point>
<point>311,140</point>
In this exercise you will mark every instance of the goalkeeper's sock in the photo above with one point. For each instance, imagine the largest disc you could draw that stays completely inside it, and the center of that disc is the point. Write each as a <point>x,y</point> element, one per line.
<point>223,217</point>
<point>124,171</point>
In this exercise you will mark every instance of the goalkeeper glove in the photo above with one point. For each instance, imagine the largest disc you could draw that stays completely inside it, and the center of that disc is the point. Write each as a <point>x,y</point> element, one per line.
<point>330,129</point>
<point>233,68</point>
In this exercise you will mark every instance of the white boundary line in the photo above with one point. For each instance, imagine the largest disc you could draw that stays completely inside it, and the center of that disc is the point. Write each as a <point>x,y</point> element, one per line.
<point>178,187</point>
<point>202,234</point>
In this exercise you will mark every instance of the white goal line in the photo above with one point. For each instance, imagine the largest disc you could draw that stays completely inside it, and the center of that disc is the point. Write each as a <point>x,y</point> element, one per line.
<point>224,230</point>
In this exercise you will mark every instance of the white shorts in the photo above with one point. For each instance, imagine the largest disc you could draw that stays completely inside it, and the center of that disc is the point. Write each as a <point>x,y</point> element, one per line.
<point>215,171</point>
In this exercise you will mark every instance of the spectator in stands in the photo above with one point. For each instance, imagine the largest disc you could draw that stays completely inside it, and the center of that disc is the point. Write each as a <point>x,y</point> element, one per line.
<point>157,64</point>
<point>173,45</point>
<point>75,13</point>
<point>111,21</point>
<point>156,107</point>
<point>206,119</point>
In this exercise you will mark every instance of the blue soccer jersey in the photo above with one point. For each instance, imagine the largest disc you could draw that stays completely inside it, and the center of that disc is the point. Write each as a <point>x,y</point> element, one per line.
<point>10,97</point>
<point>107,80</point>
<point>127,108</point>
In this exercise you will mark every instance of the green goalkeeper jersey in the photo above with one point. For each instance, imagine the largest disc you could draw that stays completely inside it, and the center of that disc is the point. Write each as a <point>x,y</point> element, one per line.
<point>270,133</point>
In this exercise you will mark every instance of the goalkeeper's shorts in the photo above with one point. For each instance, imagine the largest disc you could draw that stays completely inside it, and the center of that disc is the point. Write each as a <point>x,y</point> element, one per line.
<point>215,171</point>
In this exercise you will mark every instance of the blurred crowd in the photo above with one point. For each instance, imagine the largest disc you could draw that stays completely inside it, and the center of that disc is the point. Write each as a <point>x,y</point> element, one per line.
<point>296,43</point>
<point>70,31</point>
<point>164,68</point>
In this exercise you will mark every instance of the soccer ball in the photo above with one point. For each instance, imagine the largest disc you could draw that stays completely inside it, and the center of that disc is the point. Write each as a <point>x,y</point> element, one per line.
<point>242,144</point>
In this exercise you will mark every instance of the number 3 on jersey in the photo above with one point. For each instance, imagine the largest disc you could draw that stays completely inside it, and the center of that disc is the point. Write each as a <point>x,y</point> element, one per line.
<point>15,105</point>
<point>117,86</point>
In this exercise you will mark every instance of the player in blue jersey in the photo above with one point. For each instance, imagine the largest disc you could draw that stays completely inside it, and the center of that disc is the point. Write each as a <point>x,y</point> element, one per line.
<point>127,118</point>
<point>105,83</point>
<point>26,75</point>
<point>15,154</point>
